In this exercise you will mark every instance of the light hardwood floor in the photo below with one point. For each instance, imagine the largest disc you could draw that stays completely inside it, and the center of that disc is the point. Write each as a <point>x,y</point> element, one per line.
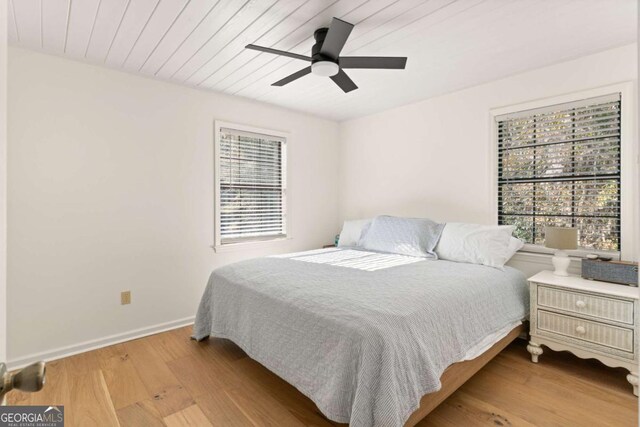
<point>169,380</point>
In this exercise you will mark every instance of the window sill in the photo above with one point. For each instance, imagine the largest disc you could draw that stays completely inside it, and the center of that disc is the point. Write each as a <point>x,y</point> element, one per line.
<point>539,257</point>
<point>578,253</point>
<point>531,263</point>
<point>254,244</point>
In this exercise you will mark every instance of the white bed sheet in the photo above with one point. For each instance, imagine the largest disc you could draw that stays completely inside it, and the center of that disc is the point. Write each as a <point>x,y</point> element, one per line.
<point>488,342</point>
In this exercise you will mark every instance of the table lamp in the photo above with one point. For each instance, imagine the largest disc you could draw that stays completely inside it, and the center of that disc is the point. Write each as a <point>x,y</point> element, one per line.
<point>561,239</point>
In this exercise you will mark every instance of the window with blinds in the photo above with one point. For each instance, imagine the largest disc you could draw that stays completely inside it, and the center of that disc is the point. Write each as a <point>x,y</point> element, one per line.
<point>251,186</point>
<point>560,166</point>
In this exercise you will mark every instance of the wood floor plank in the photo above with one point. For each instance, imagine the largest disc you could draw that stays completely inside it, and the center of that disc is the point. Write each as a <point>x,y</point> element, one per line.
<point>569,393</point>
<point>83,363</point>
<point>439,419</point>
<point>262,410</point>
<point>481,386</point>
<point>142,413</point>
<point>599,390</point>
<point>221,410</point>
<point>224,350</point>
<point>189,417</point>
<point>543,406</point>
<point>525,372</point>
<point>200,376</point>
<point>124,384</point>
<point>591,372</point>
<point>170,346</point>
<point>462,409</point>
<point>91,404</point>
<point>221,349</point>
<point>168,394</point>
<point>18,397</point>
<point>108,355</point>
<point>266,382</point>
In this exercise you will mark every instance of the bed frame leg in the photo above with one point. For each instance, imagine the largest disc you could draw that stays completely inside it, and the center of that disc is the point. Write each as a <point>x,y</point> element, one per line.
<point>535,351</point>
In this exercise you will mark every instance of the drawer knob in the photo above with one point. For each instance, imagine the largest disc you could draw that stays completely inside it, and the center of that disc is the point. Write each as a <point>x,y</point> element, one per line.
<point>581,304</point>
<point>580,330</point>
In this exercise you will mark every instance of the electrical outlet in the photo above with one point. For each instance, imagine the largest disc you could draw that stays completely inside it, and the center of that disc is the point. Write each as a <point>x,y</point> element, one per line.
<point>125,297</point>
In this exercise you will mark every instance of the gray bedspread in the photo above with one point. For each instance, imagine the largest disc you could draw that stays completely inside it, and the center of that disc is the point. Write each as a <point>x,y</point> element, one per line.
<point>365,345</point>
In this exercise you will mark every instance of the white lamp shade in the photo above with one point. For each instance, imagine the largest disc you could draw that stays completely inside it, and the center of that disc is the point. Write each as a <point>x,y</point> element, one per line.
<point>561,237</point>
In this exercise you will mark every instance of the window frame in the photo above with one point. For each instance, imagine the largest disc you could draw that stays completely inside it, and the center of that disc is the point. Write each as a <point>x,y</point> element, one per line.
<point>218,246</point>
<point>628,163</point>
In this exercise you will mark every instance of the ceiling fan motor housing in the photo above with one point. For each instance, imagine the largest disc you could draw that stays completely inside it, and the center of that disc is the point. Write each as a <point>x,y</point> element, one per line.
<point>322,65</point>
<point>316,56</point>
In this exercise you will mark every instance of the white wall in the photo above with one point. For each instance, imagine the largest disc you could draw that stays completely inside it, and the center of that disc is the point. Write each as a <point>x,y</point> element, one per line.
<point>3,180</point>
<point>110,188</point>
<point>433,158</point>
<point>110,185</point>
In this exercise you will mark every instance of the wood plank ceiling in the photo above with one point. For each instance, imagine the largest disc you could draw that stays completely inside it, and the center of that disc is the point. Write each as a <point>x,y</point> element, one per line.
<point>451,44</point>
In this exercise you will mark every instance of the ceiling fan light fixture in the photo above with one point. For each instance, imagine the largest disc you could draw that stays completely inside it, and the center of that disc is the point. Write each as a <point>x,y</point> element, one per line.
<point>325,68</point>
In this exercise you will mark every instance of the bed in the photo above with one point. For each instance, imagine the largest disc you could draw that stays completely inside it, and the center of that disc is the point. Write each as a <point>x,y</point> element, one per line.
<point>367,336</point>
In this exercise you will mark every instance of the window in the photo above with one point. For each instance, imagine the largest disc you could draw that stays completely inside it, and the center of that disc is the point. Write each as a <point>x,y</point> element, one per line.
<point>250,184</point>
<point>561,166</point>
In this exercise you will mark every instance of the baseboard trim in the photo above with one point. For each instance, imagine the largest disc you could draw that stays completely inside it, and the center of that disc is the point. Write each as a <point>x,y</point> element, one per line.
<point>97,343</point>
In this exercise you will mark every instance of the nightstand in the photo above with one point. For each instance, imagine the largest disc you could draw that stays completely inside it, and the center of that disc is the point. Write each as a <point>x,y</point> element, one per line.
<point>588,318</point>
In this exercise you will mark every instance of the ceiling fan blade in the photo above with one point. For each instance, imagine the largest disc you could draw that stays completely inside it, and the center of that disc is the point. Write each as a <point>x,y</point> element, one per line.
<point>292,77</point>
<point>377,62</point>
<point>277,52</point>
<point>337,36</point>
<point>345,83</point>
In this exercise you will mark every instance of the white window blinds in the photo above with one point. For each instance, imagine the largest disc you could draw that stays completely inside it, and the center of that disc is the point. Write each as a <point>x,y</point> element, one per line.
<point>251,186</point>
<point>560,166</point>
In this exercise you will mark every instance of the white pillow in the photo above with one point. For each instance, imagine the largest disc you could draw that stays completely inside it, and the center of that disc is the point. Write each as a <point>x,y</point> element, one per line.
<point>475,244</point>
<point>405,236</point>
<point>515,245</point>
<point>352,232</point>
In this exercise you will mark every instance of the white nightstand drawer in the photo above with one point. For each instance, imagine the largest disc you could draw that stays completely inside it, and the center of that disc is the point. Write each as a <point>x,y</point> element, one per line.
<point>586,330</point>
<point>607,308</point>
